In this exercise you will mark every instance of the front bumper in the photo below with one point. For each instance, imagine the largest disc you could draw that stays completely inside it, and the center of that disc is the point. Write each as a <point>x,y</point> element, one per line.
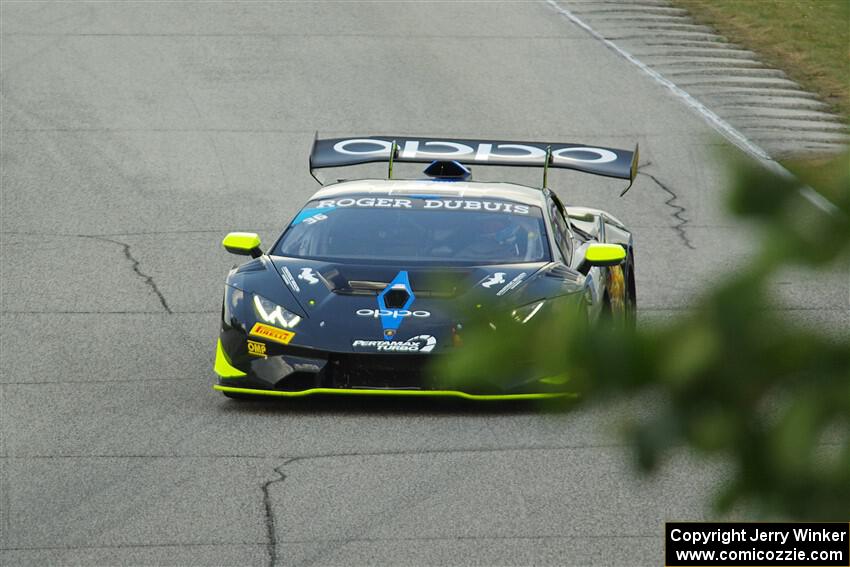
<point>297,373</point>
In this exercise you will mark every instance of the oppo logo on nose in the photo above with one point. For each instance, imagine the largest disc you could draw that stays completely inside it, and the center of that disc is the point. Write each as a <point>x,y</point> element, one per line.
<point>394,313</point>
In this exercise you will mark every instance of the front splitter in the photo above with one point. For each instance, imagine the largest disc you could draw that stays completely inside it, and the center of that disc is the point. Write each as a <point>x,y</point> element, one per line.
<point>403,393</point>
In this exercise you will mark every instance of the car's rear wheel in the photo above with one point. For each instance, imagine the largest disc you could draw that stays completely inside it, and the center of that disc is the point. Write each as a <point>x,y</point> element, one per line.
<point>620,295</point>
<point>631,293</point>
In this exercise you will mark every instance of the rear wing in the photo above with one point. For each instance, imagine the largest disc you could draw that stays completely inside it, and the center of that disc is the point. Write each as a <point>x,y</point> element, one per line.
<point>609,162</point>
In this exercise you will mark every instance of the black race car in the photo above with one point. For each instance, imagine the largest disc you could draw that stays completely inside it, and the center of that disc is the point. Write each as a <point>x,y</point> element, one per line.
<point>373,278</point>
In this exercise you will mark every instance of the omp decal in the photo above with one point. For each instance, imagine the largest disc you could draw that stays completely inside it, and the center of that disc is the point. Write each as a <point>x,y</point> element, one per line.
<point>290,281</point>
<point>512,284</point>
<point>495,279</point>
<point>257,349</point>
<point>272,333</point>
<point>308,276</point>
<point>420,343</point>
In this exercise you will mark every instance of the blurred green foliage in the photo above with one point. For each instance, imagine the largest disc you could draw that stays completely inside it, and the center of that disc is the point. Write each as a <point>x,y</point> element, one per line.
<point>735,376</point>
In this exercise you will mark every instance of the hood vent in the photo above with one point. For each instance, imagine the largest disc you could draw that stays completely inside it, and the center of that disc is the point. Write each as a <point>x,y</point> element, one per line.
<point>355,287</point>
<point>367,280</point>
<point>364,287</point>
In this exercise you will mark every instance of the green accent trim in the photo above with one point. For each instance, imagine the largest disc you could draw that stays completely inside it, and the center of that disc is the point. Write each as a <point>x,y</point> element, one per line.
<point>393,151</point>
<point>241,242</point>
<point>605,254</point>
<point>555,380</point>
<point>222,365</point>
<point>402,393</point>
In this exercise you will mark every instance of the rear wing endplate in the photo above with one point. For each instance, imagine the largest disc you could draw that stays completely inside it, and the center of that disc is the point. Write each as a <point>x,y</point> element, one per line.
<point>608,162</point>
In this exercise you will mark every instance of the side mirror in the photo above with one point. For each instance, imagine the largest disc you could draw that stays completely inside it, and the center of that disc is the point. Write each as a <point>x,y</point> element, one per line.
<point>243,244</point>
<point>604,255</point>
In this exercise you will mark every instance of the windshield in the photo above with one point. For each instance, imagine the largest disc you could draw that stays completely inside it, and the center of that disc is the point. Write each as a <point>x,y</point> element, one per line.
<point>419,229</point>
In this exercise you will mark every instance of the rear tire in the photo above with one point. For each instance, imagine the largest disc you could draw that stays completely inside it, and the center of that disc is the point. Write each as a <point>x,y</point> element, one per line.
<point>631,294</point>
<point>620,301</point>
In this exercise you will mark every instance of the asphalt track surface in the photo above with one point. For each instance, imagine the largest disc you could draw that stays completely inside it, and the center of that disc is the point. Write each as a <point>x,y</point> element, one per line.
<point>136,135</point>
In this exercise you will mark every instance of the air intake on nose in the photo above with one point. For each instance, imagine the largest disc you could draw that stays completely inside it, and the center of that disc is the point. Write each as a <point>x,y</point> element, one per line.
<point>396,297</point>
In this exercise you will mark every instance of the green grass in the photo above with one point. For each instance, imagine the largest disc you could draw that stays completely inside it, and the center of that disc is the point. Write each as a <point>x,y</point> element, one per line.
<point>808,39</point>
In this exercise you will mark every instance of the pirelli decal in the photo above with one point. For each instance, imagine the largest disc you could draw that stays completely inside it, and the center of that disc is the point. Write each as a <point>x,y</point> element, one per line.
<point>272,333</point>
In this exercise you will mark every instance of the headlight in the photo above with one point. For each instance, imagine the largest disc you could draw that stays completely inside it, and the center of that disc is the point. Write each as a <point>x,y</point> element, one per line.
<point>524,314</point>
<point>274,313</point>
